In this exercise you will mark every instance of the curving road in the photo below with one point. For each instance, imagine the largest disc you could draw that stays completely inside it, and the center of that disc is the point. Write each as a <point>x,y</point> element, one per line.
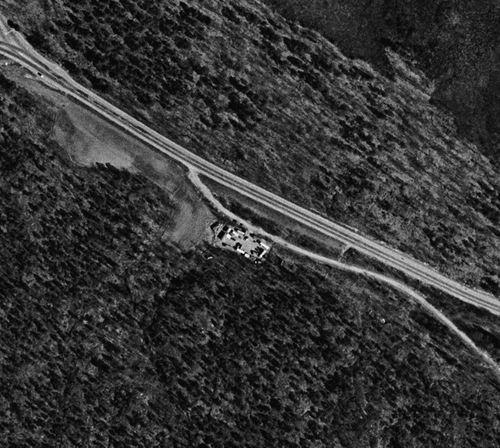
<point>14,48</point>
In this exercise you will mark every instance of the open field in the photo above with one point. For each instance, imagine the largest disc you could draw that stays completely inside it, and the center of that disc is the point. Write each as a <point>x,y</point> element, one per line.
<point>88,143</point>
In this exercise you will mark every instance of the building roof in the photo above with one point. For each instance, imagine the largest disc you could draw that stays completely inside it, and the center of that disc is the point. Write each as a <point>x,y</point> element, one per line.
<point>241,241</point>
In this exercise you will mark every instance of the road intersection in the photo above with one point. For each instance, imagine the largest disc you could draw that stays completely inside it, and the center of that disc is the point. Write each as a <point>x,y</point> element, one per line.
<point>54,77</point>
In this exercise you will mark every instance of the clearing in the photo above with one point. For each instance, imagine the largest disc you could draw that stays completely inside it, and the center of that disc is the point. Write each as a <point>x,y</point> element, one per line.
<point>89,139</point>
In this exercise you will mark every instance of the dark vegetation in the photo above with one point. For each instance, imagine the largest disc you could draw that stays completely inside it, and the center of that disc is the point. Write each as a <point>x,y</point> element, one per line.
<point>278,104</point>
<point>480,325</point>
<point>247,214</point>
<point>112,337</point>
<point>455,42</point>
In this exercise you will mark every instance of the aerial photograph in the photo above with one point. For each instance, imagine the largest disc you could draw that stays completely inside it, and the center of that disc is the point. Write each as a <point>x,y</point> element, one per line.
<point>249,223</point>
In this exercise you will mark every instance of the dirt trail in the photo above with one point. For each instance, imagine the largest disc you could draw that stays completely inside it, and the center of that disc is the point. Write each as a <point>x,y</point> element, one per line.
<point>486,358</point>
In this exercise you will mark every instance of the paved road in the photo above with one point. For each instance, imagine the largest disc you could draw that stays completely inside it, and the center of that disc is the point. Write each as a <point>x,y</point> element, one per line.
<point>193,176</point>
<point>55,78</point>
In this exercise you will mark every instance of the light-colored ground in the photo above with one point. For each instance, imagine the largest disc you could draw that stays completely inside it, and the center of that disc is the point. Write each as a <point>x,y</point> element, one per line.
<point>88,140</point>
<point>192,223</point>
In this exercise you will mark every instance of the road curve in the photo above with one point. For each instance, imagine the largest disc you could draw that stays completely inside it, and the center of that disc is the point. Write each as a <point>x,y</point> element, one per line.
<point>56,78</point>
<point>468,342</point>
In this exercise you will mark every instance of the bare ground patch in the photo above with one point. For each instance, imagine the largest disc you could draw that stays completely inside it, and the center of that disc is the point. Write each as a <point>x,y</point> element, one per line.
<point>89,140</point>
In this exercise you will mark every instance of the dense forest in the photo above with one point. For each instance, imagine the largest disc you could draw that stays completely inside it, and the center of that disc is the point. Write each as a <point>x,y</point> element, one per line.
<point>455,42</point>
<point>278,104</point>
<point>110,336</point>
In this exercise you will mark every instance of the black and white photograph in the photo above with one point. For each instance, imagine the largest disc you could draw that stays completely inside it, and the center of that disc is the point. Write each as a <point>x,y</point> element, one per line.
<point>249,224</point>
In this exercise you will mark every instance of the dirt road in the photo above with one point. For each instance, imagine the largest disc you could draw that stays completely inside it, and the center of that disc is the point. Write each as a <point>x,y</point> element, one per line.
<point>56,78</point>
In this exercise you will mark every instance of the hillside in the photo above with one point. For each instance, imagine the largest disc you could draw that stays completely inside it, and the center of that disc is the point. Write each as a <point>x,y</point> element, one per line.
<point>455,42</point>
<point>110,336</point>
<point>278,104</point>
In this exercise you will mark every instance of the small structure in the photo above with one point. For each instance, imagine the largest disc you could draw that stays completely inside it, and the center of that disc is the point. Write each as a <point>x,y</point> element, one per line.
<point>239,239</point>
